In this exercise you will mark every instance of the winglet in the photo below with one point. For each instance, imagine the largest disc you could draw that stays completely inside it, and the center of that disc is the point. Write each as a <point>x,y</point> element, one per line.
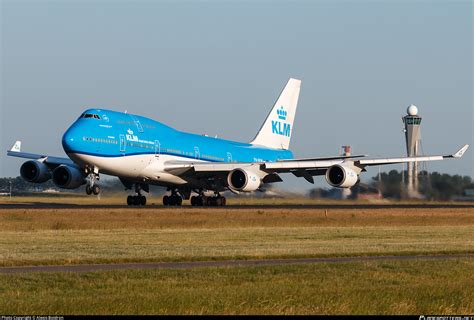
<point>16,147</point>
<point>461,151</point>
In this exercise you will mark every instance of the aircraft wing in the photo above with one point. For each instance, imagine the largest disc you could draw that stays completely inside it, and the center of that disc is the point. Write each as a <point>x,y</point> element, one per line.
<point>382,161</point>
<point>306,168</point>
<point>51,161</point>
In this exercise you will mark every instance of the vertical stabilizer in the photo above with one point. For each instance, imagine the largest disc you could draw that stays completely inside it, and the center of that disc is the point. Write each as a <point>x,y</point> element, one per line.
<point>278,126</point>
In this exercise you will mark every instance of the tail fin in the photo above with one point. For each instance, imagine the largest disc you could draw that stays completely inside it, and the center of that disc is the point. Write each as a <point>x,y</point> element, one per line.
<point>276,130</point>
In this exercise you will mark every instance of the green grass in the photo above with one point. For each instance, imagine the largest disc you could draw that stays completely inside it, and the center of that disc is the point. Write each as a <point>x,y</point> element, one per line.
<point>32,236</point>
<point>127,245</point>
<point>377,287</point>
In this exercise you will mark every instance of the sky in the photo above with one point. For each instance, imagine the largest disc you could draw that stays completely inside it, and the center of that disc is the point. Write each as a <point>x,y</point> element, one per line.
<point>216,67</point>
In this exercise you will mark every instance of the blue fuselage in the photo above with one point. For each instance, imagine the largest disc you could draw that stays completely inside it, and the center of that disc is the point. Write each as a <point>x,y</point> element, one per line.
<point>106,133</point>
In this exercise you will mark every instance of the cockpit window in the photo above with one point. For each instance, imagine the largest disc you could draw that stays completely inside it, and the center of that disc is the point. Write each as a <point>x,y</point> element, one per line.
<point>90,115</point>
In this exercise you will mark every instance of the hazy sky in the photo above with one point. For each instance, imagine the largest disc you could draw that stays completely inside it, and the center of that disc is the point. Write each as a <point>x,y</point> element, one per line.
<point>216,67</point>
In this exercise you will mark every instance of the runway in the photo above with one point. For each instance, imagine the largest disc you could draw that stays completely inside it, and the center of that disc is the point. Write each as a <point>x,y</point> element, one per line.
<point>52,205</point>
<point>225,263</point>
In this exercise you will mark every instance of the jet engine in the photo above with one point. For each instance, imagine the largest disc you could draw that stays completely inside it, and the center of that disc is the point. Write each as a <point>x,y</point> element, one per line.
<point>341,176</point>
<point>68,177</point>
<point>35,171</point>
<point>243,180</point>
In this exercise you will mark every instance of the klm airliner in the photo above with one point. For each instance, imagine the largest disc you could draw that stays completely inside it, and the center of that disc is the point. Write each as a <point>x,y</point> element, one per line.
<point>143,152</point>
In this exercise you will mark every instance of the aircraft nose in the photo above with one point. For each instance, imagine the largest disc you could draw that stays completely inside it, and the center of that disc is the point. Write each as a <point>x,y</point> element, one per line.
<point>70,139</point>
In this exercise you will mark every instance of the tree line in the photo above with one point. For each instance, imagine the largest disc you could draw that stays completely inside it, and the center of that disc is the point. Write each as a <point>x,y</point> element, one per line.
<point>392,184</point>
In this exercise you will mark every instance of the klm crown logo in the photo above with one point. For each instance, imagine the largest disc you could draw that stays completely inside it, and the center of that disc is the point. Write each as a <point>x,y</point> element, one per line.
<point>281,113</point>
<point>280,128</point>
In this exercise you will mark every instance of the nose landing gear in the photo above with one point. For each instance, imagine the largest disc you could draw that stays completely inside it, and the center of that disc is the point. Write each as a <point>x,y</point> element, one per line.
<point>91,185</point>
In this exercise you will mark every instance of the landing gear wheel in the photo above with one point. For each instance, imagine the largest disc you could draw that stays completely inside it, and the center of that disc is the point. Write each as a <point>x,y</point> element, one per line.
<point>196,201</point>
<point>88,190</point>
<point>216,201</point>
<point>173,200</point>
<point>166,200</point>
<point>136,200</point>
<point>95,189</point>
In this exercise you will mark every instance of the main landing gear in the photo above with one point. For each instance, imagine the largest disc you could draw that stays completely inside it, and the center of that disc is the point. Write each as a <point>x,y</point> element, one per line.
<point>138,199</point>
<point>91,186</point>
<point>202,200</point>
<point>174,199</point>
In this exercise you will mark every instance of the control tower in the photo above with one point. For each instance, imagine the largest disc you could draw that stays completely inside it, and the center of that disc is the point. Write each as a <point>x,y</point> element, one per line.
<point>412,123</point>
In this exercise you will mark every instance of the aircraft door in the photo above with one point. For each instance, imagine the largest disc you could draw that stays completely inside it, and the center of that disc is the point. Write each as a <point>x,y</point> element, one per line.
<point>197,154</point>
<point>229,157</point>
<point>137,123</point>
<point>157,148</point>
<point>122,143</point>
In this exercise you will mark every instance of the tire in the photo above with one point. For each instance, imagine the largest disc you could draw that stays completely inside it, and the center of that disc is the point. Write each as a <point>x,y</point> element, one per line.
<point>88,190</point>
<point>193,201</point>
<point>142,200</point>
<point>172,201</point>
<point>179,201</point>
<point>95,189</point>
<point>166,201</point>
<point>199,201</point>
<point>136,200</point>
<point>130,200</point>
<point>223,201</point>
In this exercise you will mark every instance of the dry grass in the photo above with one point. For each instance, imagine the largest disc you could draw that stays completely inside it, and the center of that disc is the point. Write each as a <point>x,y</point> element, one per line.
<point>179,218</point>
<point>64,236</point>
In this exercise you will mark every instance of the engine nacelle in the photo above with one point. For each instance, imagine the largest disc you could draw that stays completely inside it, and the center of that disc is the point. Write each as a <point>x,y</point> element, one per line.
<point>68,177</point>
<point>35,171</point>
<point>243,180</point>
<point>341,176</point>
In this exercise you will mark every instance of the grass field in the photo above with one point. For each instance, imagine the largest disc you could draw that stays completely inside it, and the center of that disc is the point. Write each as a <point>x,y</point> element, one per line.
<point>409,287</point>
<point>65,236</point>
<point>31,236</point>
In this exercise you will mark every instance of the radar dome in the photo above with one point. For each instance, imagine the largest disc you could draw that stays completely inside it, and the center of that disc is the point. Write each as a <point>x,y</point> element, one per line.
<point>412,110</point>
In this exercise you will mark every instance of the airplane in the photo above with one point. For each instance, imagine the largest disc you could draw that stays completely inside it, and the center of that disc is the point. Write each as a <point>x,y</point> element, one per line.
<point>143,152</point>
